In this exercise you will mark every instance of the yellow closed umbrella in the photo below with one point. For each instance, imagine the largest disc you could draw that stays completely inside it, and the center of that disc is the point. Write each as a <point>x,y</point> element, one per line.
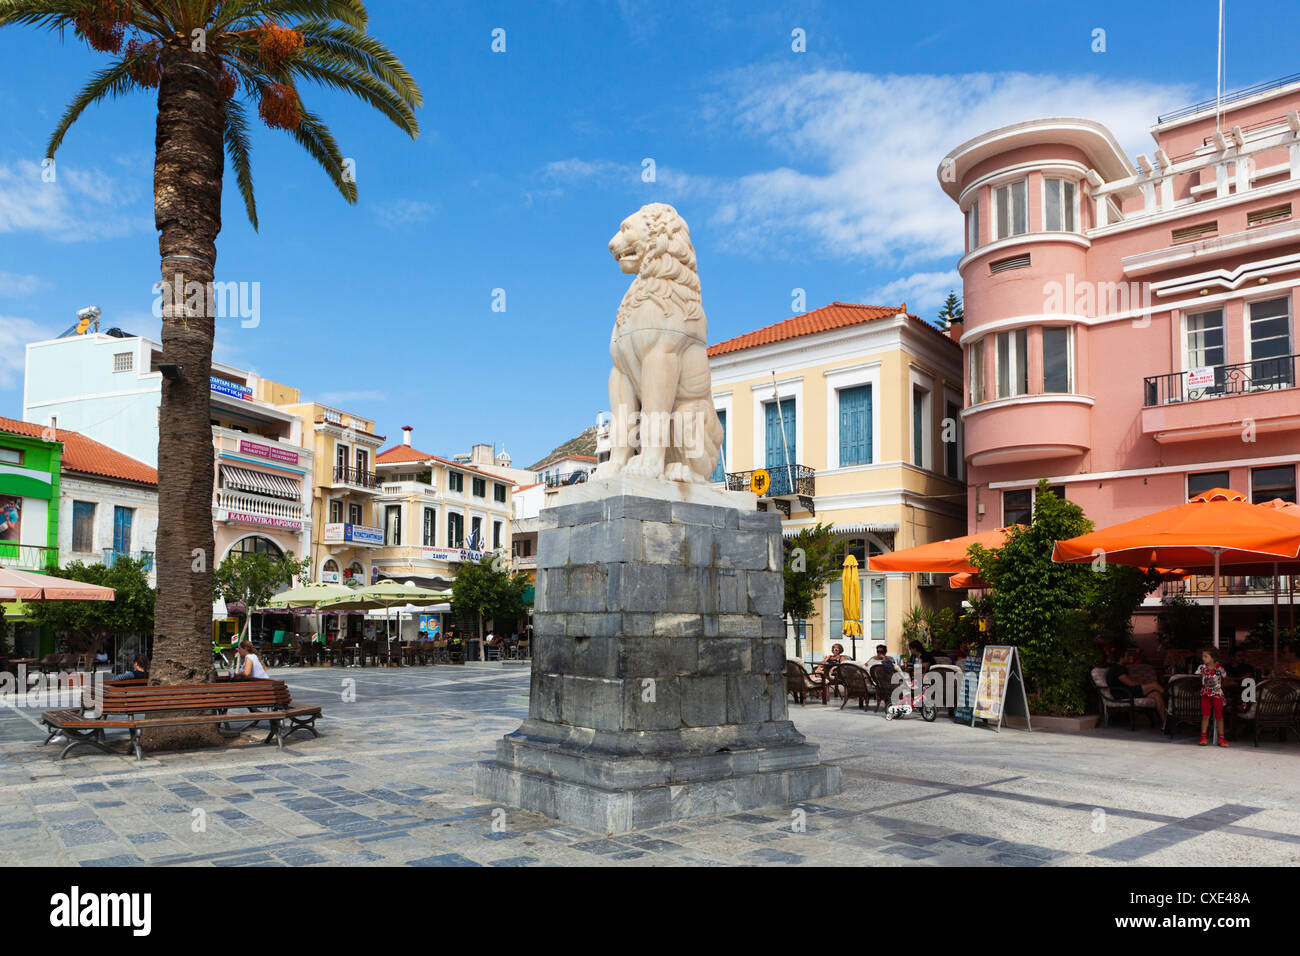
<point>851,599</point>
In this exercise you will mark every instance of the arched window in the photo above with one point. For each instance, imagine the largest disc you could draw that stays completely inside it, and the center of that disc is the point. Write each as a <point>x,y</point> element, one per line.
<point>256,544</point>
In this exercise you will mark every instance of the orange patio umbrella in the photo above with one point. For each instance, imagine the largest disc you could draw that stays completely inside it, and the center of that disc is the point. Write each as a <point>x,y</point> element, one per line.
<point>1220,525</point>
<point>938,557</point>
<point>18,585</point>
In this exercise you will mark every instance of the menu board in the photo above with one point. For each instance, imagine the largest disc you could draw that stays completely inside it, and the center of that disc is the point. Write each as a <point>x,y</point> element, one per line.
<point>970,671</point>
<point>1001,687</point>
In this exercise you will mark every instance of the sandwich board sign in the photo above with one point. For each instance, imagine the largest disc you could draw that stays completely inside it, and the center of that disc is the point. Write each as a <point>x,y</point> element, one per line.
<point>995,697</point>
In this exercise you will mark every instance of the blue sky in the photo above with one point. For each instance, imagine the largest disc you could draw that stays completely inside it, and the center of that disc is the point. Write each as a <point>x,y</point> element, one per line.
<point>810,170</point>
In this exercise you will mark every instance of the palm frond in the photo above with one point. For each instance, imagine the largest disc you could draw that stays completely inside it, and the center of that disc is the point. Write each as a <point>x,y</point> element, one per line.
<point>110,82</point>
<point>315,137</point>
<point>248,13</point>
<point>361,85</point>
<point>50,14</point>
<point>236,136</point>
<point>364,52</point>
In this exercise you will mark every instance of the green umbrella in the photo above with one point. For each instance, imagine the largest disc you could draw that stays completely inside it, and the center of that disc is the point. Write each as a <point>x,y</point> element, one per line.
<point>385,594</point>
<point>309,595</point>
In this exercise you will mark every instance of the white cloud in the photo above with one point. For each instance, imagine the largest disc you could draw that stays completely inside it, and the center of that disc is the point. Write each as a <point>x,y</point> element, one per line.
<point>15,333</point>
<point>923,292</point>
<point>79,204</point>
<point>16,284</point>
<point>399,213</point>
<point>859,153</point>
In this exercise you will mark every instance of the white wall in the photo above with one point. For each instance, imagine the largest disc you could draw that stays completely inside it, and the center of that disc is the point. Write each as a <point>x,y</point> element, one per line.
<point>106,495</point>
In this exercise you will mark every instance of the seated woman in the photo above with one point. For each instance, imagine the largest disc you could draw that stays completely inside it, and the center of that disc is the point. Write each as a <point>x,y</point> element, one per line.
<point>830,660</point>
<point>249,664</point>
<point>918,650</point>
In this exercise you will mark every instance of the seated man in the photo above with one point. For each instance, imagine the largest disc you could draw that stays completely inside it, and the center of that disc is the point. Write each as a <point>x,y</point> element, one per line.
<point>1123,686</point>
<point>882,657</point>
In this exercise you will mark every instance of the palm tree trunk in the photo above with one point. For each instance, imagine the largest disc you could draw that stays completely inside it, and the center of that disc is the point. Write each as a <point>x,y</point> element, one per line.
<point>188,167</point>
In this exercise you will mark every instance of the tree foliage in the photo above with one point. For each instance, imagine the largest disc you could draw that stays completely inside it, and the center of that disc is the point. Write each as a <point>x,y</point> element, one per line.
<point>950,311</point>
<point>1056,614</point>
<point>813,558</point>
<point>488,592</point>
<point>262,52</point>
<point>253,579</point>
<point>90,623</point>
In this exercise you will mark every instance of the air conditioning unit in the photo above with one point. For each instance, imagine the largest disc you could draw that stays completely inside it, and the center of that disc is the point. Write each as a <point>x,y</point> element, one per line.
<point>931,579</point>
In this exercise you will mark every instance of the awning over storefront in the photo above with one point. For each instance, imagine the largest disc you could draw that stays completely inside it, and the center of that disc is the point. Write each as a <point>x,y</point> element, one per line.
<point>260,482</point>
<point>879,527</point>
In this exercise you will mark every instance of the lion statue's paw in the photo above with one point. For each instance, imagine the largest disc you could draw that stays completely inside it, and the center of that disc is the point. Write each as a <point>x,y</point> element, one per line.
<point>678,472</point>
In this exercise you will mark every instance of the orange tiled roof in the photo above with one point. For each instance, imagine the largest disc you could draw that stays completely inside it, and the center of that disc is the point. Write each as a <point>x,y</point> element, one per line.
<point>85,456</point>
<point>402,453</point>
<point>837,315</point>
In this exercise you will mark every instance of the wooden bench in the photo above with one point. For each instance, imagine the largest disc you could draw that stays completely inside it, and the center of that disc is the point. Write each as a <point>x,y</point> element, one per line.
<point>135,708</point>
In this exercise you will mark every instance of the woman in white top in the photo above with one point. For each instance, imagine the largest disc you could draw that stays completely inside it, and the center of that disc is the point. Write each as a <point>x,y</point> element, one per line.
<point>250,665</point>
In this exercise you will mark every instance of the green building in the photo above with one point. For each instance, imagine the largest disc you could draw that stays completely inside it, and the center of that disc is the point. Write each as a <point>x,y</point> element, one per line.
<point>29,514</point>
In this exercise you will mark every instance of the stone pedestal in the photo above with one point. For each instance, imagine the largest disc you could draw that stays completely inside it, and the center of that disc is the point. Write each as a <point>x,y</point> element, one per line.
<point>658,682</point>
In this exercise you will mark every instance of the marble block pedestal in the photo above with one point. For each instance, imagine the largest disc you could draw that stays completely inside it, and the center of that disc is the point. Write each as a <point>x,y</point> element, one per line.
<point>658,681</point>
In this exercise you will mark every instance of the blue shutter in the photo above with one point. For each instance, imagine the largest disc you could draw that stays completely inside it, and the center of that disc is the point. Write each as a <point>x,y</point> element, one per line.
<point>719,473</point>
<point>122,529</point>
<point>774,459</point>
<point>855,425</point>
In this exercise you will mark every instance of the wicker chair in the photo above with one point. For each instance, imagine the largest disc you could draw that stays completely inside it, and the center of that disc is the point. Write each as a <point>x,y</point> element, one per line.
<point>1183,702</point>
<point>1131,706</point>
<point>884,678</point>
<point>856,684</point>
<point>800,683</point>
<point>1276,707</point>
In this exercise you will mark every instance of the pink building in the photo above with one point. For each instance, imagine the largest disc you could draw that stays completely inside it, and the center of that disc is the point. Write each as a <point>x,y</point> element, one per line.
<point>1129,325</point>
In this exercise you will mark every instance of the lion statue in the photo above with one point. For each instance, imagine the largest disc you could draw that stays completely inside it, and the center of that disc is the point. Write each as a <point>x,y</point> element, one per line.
<point>660,392</point>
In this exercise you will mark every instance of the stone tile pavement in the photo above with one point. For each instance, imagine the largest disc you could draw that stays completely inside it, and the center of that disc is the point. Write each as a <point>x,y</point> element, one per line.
<point>390,782</point>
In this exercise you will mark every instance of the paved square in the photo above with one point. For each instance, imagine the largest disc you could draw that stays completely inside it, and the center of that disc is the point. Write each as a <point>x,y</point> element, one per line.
<point>390,782</point>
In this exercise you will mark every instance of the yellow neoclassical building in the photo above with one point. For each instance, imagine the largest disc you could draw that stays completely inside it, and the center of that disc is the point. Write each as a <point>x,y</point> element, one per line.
<point>855,413</point>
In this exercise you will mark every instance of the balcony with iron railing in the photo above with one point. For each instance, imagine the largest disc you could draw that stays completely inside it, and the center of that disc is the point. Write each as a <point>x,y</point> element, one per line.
<point>356,478</point>
<point>1180,406</point>
<point>568,478</point>
<point>28,557</point>
<point>1230,586</point>
<point>785,482</point>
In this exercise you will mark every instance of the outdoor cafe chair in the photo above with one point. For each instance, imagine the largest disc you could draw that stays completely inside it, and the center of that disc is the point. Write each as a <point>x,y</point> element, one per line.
<point>1141,705</point>
<point>1275,708</point>
<point>884,678</point>
<point>799,683</point>
<point>855,683</point>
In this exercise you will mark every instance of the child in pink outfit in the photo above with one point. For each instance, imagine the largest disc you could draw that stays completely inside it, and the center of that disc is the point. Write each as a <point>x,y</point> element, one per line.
<point>1211,673</point>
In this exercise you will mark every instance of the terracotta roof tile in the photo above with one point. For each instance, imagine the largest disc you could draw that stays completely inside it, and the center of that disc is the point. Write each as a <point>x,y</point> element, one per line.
<point>403,453</point>
<point>837,315</point>
<point>85,456</point>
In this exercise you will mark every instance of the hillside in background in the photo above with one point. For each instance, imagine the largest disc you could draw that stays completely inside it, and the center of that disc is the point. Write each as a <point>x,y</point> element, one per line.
<point>582,444</point>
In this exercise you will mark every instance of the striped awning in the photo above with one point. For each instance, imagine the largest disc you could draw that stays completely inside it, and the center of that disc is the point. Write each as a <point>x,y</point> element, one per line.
<point>260,482</point>
<point>882,527</point>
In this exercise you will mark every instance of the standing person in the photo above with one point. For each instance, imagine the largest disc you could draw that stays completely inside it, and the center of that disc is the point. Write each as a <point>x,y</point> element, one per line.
<point>250,665</point>
<point>1211,673</point>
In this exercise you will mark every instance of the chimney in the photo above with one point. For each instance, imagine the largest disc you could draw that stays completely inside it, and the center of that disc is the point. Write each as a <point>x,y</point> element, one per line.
<point>406,435</point>
<point>955,329</point>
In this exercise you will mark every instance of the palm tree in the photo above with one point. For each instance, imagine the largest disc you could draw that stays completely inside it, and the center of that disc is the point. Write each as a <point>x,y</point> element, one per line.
<point>210,61</point>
